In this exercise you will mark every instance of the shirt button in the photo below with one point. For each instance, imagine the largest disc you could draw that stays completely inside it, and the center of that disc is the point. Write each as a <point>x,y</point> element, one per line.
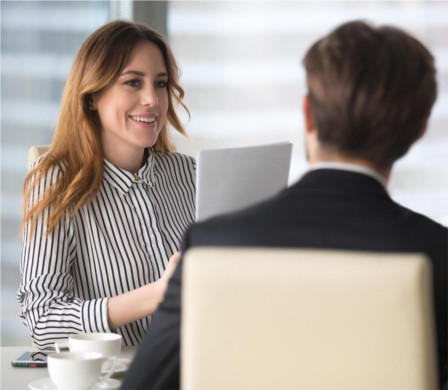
<point>137,177</point>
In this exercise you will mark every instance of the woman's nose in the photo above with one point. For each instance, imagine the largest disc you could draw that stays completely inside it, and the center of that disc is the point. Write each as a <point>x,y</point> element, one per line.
<point>149,97</point>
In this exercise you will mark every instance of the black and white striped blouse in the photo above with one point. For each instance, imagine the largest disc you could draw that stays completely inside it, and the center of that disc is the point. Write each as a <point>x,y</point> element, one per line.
<point>119,241</point>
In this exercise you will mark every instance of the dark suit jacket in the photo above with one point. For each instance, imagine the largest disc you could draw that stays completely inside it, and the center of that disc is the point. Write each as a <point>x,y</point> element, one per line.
<point>326,209</point>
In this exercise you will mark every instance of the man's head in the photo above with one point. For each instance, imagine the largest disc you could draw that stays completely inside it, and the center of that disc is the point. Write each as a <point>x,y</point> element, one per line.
<point>370,92</point>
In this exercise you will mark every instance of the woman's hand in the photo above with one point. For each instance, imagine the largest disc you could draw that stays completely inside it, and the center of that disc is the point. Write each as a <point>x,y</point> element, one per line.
<point>141,302</point>
<point>172,265</point>
<point>169,271</point>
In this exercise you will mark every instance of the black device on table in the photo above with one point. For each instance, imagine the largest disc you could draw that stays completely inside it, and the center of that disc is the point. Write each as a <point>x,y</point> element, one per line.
<point>31,359</point>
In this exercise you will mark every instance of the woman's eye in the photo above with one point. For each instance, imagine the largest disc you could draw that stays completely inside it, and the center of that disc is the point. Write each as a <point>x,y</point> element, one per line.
<point>161,84</point>
<point>133,83</point>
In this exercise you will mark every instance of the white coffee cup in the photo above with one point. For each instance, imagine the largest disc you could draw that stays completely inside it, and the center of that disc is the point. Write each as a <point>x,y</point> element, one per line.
<point>75,370</point>
<point>108,344</point>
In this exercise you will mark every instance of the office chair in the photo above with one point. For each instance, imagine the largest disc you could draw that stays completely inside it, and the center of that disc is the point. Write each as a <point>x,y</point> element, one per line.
<point>259,318</point>
<point>34,152</point>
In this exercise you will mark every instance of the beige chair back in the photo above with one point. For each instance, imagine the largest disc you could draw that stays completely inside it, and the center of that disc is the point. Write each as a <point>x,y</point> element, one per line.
<point>306,319</point>
<point>35,152</point>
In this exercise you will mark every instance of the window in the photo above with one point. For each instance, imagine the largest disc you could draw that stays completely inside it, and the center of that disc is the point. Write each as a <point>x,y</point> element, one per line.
<point>242,73</point>
<point>39,44</point>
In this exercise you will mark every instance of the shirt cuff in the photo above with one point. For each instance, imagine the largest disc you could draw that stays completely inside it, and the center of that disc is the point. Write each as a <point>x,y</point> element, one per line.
<point>94,316</point>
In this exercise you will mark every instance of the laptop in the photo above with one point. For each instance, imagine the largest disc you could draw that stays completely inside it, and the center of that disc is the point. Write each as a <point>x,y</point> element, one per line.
<point>234,178</point>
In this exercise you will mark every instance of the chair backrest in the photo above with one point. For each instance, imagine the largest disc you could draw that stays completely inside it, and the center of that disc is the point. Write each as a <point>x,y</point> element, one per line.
<point>306,319</point>
<point>35,152</point>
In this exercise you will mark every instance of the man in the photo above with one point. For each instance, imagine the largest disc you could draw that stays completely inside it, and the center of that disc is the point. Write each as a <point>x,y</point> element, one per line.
<point>370,95</point>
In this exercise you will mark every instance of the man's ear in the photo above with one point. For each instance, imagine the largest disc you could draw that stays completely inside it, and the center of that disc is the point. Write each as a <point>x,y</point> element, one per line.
<point>422,133</point>
<point>308,116</point>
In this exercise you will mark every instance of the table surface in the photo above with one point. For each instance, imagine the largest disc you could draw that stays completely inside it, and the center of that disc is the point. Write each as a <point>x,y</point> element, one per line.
<point>17,378</point>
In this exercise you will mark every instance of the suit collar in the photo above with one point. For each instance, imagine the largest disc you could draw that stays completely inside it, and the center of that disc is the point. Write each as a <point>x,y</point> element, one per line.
<point>352,168</point>
<point>337,180</point>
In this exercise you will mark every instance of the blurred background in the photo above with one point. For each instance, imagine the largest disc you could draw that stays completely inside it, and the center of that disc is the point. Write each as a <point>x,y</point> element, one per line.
<point>241,70</point>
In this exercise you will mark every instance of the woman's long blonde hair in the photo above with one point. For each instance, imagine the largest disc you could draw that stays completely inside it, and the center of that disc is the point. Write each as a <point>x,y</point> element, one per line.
<point>76,146</point>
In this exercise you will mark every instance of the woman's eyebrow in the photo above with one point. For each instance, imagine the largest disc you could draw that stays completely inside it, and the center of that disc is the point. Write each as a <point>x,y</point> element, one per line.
<point>142,74</point>
<point>136,72</point>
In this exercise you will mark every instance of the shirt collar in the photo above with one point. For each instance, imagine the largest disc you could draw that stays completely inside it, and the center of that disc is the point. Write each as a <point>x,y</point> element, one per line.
<point>352,168</point>
<point>123,180</point>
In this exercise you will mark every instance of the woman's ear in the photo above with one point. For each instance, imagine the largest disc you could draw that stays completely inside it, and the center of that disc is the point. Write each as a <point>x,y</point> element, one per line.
<point>308,117</point>
<point>92,100</point>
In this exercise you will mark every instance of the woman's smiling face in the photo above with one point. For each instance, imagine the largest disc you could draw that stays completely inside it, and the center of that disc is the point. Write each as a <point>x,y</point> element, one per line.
<point>133,110</point>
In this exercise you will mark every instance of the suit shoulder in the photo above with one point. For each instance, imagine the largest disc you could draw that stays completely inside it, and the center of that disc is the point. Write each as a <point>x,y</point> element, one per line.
<point>421,228</point>
<point>238,224</point>
<point>420,219</point>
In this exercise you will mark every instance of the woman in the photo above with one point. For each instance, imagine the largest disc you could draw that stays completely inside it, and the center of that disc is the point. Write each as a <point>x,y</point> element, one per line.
<point>106,208</point>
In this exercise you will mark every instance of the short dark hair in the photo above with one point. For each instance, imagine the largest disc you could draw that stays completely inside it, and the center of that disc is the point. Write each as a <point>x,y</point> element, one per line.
<point>371,90</point>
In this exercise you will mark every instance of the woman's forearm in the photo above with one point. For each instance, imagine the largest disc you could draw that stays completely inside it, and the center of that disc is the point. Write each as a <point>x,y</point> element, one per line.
<point>141,302</point>
<point>133,305</point>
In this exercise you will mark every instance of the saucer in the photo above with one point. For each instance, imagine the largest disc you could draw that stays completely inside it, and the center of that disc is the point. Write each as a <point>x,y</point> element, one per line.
<point>120,367</point>
<point>47,384</point>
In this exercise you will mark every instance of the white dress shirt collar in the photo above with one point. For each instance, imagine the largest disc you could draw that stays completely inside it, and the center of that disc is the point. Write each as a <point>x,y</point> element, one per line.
<point>123,180</point>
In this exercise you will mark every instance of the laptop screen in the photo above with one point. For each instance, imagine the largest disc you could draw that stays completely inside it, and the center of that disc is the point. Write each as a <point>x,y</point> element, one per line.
<point>234,178</point>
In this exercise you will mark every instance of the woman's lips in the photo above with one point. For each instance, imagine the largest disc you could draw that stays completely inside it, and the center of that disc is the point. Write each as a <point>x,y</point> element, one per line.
<point>143,119</point>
